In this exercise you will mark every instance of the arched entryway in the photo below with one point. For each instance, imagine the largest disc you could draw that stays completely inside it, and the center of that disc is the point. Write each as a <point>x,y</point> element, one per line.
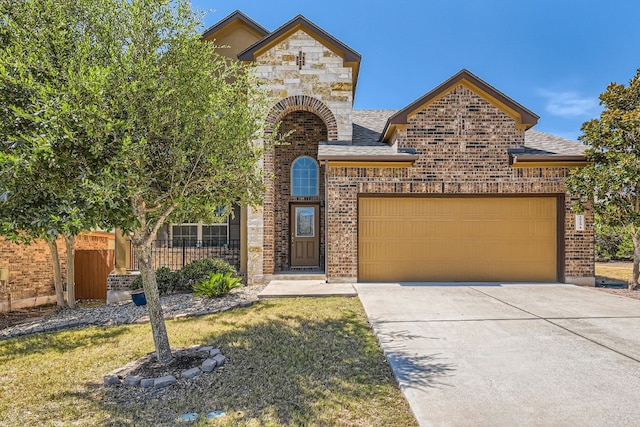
<point>298,184</point>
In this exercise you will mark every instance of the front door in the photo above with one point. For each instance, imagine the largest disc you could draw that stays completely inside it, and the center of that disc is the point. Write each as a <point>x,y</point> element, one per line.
<point>305,235</point>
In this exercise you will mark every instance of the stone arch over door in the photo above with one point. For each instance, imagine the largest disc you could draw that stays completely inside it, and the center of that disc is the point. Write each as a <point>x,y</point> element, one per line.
<point>303,103</point>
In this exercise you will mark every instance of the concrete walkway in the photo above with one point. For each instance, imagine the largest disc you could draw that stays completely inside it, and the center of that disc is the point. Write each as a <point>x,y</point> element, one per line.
<point>510,355</point>
<point>306,288</point>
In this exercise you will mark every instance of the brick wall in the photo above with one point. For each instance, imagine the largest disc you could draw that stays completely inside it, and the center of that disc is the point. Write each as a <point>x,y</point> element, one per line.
<point>462,141</point>
<point>308,129</point>
<point>31,269</point>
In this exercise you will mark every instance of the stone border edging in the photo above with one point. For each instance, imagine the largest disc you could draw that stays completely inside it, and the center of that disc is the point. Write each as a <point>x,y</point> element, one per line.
<point>122,376</point>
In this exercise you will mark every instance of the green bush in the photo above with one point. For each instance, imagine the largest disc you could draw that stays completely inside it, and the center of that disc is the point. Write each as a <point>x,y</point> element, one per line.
<point>168,281</point>
<point>184,280</point>
<point>612,243</point>
<point>216,285</point>
<point>197,271</point>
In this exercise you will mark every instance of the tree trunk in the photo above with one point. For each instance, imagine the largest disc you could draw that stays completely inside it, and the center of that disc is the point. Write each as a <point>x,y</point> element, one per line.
<point>635,235</point>
<point>57,273</point>
<point>70,243</point>
<point>150,286</point>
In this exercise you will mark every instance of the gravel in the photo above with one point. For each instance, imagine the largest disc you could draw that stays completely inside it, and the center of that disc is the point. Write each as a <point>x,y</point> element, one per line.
<point>174,307</point>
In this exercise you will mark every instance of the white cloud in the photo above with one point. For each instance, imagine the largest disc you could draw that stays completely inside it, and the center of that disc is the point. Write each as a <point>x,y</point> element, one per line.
<point>569,104</point>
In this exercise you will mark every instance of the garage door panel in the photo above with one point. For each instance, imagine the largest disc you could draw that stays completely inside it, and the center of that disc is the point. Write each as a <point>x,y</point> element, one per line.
<point>457,239</point>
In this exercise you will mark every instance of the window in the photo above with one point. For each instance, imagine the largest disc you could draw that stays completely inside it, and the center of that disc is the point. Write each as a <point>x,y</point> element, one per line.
<point>198,235</point>
<point>304,177</point>
<point>184,234</point>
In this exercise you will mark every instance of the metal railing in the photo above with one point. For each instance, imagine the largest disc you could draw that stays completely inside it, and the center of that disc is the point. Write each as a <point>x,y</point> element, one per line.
<point>176,253</point>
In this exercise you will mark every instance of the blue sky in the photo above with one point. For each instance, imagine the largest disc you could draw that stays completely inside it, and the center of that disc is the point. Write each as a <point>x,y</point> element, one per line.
<point>553,56</point>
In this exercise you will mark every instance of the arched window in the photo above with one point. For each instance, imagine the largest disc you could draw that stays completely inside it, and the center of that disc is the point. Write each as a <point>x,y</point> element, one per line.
<point>304,177</point>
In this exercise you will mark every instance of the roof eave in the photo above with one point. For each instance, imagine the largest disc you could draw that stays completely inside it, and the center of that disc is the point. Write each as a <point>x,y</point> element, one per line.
<point>369,158</point>
<point>349,55</point>
<point>527,118</point>
<point>541,160</point>
<point>230,18</point>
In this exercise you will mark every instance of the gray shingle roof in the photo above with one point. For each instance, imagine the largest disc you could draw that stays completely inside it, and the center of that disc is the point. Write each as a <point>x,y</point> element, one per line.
<point>541,143</point>
<point>365,144</point>
<point>368,125</point>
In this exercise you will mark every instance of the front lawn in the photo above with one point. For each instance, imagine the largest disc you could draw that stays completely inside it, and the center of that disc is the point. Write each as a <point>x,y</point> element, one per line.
<point>290,362</point>
<point>617,271</point>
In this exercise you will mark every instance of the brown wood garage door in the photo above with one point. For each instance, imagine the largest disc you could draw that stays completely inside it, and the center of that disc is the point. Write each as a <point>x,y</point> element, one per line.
<point>457,239</point>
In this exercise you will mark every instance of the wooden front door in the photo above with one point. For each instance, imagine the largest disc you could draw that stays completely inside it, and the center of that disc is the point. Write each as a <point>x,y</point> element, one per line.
<point>305,235</point>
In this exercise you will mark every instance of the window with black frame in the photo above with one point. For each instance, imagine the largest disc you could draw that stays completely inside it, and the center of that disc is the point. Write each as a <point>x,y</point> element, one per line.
<point>200,235</point>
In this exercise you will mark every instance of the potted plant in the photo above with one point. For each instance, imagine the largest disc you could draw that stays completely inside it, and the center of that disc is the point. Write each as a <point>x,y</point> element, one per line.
<point>137,293</point>
<point>138,297</point>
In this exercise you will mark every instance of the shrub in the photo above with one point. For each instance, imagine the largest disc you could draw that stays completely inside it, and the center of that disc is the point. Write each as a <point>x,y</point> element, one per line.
<point>197,271</point>
<point>216,285</point>
<point>612,242</point>
<point>168,281</point>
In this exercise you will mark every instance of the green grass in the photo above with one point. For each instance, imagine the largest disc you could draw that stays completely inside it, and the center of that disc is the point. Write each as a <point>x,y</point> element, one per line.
<point>294,362</point>
<point>616,271</point>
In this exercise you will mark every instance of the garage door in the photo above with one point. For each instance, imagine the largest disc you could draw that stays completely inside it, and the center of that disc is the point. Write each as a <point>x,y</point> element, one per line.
<point>457,239</point>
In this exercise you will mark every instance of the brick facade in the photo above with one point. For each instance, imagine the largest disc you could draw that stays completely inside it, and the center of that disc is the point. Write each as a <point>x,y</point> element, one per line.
<point>462,141</point>
<point>316,99</point>
<point>31,271</point>
<point>455,138</point>
<point>307,130</point>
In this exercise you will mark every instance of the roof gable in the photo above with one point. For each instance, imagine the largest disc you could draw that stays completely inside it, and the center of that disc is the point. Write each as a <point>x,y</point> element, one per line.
<point>235,18</point>
<point>350,56</point>
<point>523,117</point>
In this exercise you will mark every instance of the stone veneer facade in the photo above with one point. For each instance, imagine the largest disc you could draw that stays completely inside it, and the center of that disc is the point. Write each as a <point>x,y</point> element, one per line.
<point>323,88</point>
<point>462,141</point>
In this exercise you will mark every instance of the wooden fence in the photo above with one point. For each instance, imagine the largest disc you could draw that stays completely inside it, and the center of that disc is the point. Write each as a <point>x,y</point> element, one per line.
<point>91,270</point>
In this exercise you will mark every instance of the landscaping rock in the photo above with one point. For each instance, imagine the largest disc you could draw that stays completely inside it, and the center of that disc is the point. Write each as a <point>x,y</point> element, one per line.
<point>110,380</point>
<point>191,416</point>
<point>205,349</point>
<point>147,382</point>
<point>220,359</point>
<point>215,414</point>
<point>191,373</point>
<point>132,381</point>
<point>214,352</point>
<point>163,382</point>
<point>209,365</point>
<point>125,312</point>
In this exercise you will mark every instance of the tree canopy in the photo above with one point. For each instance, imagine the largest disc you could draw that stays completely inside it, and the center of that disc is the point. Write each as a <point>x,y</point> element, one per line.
<point>612,181</point>
<point>122,102</point>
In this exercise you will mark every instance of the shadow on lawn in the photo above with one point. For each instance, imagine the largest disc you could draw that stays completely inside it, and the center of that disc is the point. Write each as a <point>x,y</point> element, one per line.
<point>285,369</point>
<point>59,341</point>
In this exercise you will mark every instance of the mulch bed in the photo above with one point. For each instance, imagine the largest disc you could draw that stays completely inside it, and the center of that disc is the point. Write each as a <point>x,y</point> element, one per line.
<point>25,315</point>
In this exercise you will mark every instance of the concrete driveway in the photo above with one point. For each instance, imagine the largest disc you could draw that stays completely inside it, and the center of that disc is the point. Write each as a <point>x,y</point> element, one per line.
<point>486,354</point>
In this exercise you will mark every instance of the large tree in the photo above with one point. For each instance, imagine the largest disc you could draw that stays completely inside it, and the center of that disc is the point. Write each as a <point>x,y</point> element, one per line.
<point>49,86</point>
<point>612,181</point>
<point>187,121</point>
<point>165,128</point>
